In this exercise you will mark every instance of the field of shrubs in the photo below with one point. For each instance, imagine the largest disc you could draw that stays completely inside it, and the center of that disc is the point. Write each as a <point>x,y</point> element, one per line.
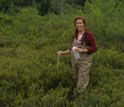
<point>28,58</point>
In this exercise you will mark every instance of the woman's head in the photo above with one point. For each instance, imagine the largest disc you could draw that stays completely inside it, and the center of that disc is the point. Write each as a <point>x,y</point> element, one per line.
<point>80,23</point>
<point>80,18</point>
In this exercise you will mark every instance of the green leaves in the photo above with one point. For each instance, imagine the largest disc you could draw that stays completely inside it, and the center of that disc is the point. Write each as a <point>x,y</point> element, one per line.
<point>28,58</point>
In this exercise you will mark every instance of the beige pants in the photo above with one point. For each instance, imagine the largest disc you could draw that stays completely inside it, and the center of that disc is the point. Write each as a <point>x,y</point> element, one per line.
<point>81,68</point>
<point>81,75</point>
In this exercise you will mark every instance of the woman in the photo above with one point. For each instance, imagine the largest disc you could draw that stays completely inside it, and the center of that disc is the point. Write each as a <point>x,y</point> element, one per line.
<point>84,44</point>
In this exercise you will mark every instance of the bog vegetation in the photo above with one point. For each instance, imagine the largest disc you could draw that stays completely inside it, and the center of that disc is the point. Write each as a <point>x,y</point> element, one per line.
<point>29,42</point>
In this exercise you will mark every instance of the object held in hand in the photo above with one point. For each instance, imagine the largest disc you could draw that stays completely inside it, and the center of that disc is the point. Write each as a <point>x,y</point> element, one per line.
<point>76,54</point>
<point>58,60</point>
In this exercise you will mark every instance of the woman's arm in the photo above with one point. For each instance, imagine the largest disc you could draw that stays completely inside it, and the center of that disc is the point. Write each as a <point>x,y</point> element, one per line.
<point>64,52</point>
<point>90,39</point>
<point>80,50</point>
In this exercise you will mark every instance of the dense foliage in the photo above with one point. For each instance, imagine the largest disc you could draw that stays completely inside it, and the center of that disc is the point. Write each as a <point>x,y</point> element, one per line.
<point>28,57</point>
<point>43,6</point>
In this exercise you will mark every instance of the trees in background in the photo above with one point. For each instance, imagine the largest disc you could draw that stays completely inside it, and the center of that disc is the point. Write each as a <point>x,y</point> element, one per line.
<point>106,20</point>
<point>43,6</point>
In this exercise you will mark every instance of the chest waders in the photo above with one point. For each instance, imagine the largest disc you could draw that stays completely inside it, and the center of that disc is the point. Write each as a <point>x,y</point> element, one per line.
<point>81,66</point>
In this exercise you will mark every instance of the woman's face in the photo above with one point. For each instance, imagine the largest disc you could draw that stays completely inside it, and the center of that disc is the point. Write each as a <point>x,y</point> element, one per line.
<point>79,25</point>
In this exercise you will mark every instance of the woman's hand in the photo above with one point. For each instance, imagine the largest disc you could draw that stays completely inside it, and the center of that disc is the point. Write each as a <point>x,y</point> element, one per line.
<point>60,52</point>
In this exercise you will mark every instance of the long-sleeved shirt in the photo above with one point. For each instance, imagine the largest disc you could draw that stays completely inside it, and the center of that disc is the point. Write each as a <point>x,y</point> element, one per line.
<point>89,41</point>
